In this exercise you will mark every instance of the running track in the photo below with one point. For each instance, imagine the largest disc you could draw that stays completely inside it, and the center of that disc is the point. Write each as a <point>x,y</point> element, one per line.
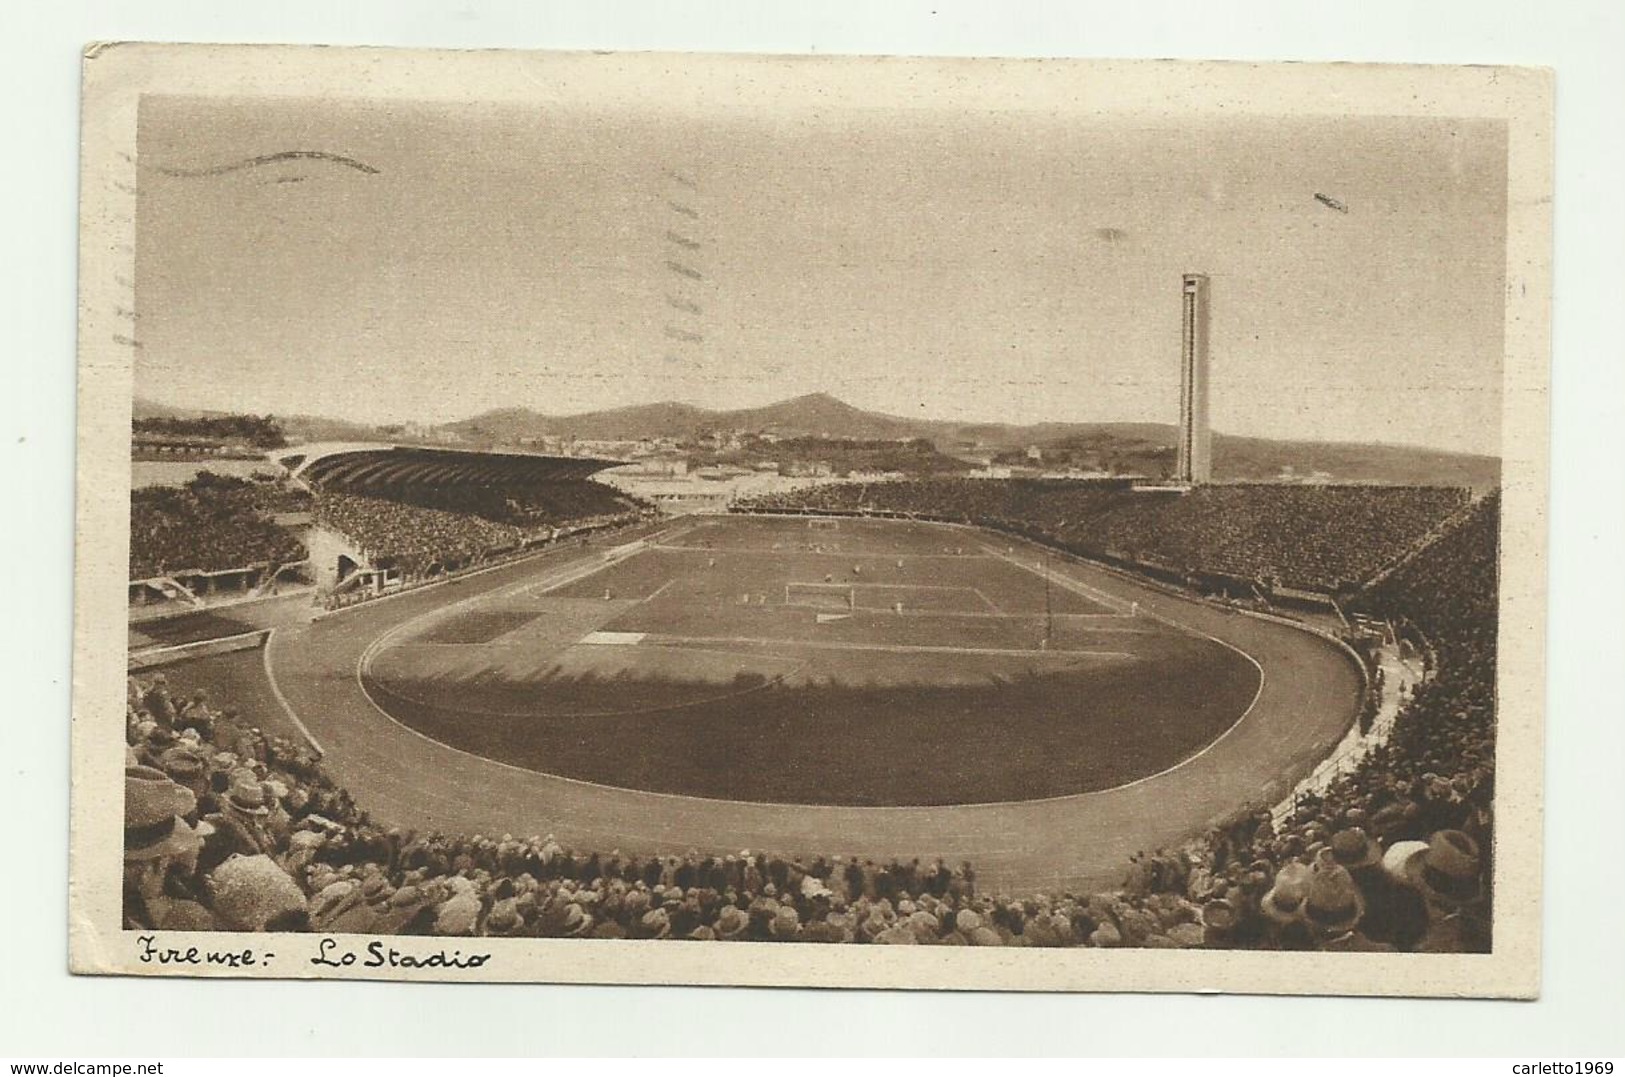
<point>1308,699</point>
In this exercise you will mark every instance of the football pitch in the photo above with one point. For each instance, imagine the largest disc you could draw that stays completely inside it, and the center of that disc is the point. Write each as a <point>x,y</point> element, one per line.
<point>863,663</point>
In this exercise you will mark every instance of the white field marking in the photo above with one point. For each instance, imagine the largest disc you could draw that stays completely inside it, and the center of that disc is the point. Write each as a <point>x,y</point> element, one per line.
<point>657,639</point>
<point>652,595</point>
<point>1068,583</point>
<point>977,591</point>
<point>282,700</point>
<point>613,639</point>
<point>565,576</point>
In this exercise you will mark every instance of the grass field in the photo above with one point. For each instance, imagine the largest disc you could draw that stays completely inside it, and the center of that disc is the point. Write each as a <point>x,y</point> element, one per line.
<point>878,663</point>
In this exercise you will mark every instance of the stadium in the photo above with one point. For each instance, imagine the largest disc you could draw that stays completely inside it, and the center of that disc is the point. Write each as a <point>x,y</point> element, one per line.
<point>428,690</point>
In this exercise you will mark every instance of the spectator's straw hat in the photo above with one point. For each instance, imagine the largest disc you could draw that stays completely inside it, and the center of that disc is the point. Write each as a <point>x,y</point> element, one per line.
<point>897,935</point>
<point>1390,818</point>
<point>1219,914</point>
<point>1041,930</point>
<point>153,806</point>
<point>577,923</point>
<point>1446,869</point>
<point>731,922</point>
<point>922,922</point>
<point>1106,935</point>
<point>184,767</point>
<point>504,918</point>
<point>459,915</point>
<point>251,891</point>
<point>1333,904</point>
<point>786,925</point>
<point>1187,936</point>
<point>654,925</point>
<point>188,916</point>
<point>405,896</point>
<point>246,796</point>
<point>1284,902</point>
<point>1398,856</point>
<point>983,936</point>
<point>1353,848</point>
<point>375,889</point>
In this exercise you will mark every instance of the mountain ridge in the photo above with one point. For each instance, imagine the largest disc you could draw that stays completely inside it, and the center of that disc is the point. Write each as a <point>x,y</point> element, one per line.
<point>824,415</point>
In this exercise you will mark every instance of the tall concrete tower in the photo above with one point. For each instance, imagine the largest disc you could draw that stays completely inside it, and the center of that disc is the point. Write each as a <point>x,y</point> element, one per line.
<point>1195,439</point>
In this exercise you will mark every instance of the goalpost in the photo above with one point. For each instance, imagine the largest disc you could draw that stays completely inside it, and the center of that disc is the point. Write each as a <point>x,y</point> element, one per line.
<point>823,523</point>
<point>822,596</point>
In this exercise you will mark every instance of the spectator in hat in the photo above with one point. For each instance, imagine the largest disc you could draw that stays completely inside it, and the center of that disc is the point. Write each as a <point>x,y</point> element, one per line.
<point>252,892</point>
<point>1332,905</point>
<point>195,714</point>
<point>160,849</point>
<point>240,827</point>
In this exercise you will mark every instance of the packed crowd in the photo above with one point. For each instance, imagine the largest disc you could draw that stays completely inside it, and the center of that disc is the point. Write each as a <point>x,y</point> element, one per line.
<point>229,827</point>
<point>213,523</point>
<point>393,534</point>
<point>1406,836</point>
<point>455,528</point>
<point>1313,537</point>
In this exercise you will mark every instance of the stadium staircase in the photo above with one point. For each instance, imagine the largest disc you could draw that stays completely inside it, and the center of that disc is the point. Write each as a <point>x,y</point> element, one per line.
<point>1441,529</point>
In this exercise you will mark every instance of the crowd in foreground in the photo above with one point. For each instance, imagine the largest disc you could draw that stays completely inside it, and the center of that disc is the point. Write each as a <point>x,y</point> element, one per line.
<point>1322,537</point>
<point>228,827</point>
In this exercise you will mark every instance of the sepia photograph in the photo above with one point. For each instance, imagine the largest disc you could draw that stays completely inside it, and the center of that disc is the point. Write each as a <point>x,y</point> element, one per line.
<point>605,517</point>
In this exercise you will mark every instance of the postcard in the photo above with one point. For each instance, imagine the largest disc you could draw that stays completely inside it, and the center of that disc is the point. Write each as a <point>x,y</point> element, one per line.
<point>811,521</point>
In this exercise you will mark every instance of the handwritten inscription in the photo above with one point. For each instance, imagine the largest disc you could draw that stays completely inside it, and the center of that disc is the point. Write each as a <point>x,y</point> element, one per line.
<point>377,955</point>
<point>330,953</point>
<point>151,953</point>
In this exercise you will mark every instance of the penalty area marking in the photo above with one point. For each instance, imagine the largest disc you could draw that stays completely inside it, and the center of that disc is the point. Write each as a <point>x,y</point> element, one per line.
<point>614,639</point>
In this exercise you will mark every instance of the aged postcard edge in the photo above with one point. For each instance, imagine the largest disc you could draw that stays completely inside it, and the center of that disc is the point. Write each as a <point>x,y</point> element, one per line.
<point>115,75</point>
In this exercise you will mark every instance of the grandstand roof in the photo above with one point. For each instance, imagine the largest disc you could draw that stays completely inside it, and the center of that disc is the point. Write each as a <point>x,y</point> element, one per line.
<point>360,468</point>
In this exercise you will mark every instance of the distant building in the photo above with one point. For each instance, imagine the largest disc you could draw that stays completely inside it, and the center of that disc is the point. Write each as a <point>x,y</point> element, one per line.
<point>1195,464</point>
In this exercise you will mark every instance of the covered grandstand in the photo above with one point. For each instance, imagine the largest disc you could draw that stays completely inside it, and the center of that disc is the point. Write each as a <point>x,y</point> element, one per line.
<point>389,516</point>
<point>403,469</point>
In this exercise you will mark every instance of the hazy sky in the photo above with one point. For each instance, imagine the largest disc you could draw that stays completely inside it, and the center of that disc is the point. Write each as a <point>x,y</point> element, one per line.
<point>982,266</point>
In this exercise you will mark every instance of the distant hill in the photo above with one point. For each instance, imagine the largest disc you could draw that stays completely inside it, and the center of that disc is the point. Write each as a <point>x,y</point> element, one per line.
<point>1146,448</point>
<point>1140,448</point>
<point>814,415</point>
<point>1260,458</point>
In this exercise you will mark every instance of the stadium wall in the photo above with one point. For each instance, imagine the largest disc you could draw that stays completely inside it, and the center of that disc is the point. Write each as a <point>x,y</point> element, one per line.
<point>163,656</point>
